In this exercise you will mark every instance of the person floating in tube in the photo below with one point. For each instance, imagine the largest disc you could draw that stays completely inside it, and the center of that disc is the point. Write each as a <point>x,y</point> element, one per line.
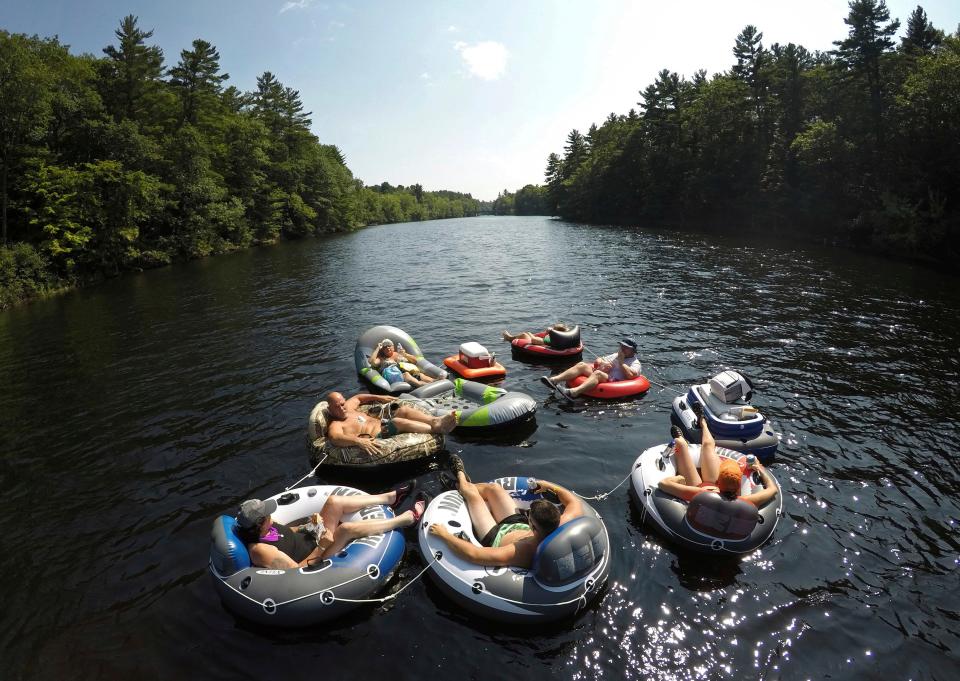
<point>716,474</point>
<point>350,427</point>
<point>396,364</point>
<point>275,545</point>
<point>534,339</point>
<point>509,536</point>
<point>619,366</point>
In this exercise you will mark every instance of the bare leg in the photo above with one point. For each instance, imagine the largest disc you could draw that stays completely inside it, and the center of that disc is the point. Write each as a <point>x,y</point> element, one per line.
<point>480,515</point>
<point>410,420</point>
<point>685,465</point>
<point>337,506</point>
<point>593,380</point>
<point>499,501</point>
<point>578,369</point>
<point>347,532</point>
<point>709,459</point>
<point>409,378</point>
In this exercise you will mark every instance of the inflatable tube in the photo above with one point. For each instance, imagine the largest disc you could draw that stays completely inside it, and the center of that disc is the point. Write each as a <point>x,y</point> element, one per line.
<point>613,390</point>
<point>479,407</point>
<point>570,566</point>
<point>563,345</point>
<point>762,442</point>
<point>310,595</point>
<point>474,362</point>
<point>731,421</point>
<point>396,452</point>
<point>368,341</point>
<point>708,523</point>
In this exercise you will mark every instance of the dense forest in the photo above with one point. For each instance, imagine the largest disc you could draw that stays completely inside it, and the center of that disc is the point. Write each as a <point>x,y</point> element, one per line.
<point>859,145</point>
<point>118,162</point>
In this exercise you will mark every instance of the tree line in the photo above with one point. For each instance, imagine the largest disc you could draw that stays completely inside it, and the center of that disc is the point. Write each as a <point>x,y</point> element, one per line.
<point>860,144</point>
<point>119,162</point>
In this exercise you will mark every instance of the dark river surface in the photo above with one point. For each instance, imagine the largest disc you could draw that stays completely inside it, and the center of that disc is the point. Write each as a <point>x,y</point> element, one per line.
<point>135,412</point>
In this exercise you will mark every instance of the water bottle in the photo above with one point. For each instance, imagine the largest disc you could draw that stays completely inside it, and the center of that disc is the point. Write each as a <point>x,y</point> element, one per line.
<point>531,484</point>
<point>315,530</point>
<point>751,459</point>
<point>400,348</point>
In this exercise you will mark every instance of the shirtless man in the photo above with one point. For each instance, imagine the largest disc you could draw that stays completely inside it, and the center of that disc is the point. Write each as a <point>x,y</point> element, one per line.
<point>349,427</point>
<point>509,537</point>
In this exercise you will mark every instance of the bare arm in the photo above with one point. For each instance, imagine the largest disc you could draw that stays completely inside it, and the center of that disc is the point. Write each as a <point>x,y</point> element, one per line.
<point>676,485</point>
<point>337,437</point>
<point>628,371</point>
<point>517,554</point>
<point>266,556</point>
<point>365,398</point>
<point>769,491</point>
<point>572,506</point>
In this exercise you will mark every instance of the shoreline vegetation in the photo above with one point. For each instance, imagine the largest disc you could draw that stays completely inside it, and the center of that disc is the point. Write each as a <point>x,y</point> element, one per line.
<point>858,146</point>
<point>122,163</point>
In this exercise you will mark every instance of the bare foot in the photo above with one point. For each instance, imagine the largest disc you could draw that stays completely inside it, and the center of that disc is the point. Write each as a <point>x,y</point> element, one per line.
<point>448,422</point>
<point>507,336</point>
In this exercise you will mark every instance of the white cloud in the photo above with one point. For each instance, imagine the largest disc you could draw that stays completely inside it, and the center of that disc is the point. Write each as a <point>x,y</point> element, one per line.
<point>424,76</point>
<point>486,60</point>
<point>337,24</point>
<point>299,4</point>
<point>452,29</point>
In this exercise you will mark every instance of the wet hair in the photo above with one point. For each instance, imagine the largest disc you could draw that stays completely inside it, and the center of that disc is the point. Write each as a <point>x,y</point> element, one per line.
<point>560,326</point>
<point>545,515</point>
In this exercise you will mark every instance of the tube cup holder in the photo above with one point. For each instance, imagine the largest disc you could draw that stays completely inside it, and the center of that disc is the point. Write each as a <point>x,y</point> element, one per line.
<point>373,571</point>
<point>270,606</point>
<point>327,597</point>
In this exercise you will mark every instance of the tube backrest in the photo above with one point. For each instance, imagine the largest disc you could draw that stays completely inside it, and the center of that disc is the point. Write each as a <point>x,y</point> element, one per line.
<point>714,516</point>
<point>569,552</point>
<point>562,340</point>
<point>228,554</point>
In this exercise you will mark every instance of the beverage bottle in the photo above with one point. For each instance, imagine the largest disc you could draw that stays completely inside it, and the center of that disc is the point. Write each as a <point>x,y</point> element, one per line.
<point>531,484</point>
<point>751,459</point>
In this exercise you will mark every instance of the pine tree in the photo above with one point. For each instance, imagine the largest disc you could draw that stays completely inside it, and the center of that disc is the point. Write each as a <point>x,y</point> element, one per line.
<point>197,79</point>
<point>867,41</point>
<point>921,36</point>
<point>134,70</point>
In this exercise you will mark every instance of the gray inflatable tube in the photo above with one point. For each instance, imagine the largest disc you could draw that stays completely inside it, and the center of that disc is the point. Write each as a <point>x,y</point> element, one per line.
<point>750,435</point>
<point>480,407</point>
<point>369,339</point>
<point>570,566</point>
<point>309,595</point>
<point>708,523</point>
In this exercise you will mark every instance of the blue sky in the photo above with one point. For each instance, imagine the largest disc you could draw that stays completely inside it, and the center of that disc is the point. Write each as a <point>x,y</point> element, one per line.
<point>468,96</point>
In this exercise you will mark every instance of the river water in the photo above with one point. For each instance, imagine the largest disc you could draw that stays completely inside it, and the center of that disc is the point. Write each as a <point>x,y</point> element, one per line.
<point>135,412</point>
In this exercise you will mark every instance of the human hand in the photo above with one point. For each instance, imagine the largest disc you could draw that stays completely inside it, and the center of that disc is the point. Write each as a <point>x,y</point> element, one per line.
<point>439,530</point>
<point>370,446</point>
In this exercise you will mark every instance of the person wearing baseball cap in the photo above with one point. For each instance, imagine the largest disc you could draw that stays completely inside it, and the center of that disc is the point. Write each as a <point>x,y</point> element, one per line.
<point>273,544</point>
<point>716,474</point>
<point>622,365</point>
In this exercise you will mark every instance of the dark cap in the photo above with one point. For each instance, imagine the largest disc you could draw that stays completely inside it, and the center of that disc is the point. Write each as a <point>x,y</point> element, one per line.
<point>629,343</point>
<point>253,511</point>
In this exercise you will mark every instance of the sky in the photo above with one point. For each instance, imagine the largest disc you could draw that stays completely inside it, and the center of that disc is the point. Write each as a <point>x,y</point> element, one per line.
<point>469,96</point>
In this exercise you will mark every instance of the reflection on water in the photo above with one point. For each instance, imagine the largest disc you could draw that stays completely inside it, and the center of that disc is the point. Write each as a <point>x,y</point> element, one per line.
<point>135,412</point>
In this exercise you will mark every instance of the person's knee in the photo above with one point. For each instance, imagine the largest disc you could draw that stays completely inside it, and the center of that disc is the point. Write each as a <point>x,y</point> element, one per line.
<point>349,530</point>
<point>601,376</point>
<point>334,503</point>
<point>470,491</point>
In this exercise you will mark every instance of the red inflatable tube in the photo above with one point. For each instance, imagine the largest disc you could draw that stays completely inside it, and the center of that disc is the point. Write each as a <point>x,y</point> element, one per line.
<point>523,345</point>
<point>612,390</point>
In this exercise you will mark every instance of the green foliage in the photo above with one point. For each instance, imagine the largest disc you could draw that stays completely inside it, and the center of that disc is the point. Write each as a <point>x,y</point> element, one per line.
<point>23,274</point>
<point>116,163</point>
<point>862,142</point>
